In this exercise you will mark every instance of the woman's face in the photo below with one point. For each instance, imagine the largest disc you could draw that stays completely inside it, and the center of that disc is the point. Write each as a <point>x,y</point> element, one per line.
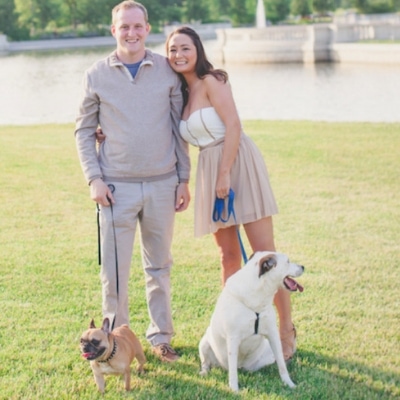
<point>182,53</point>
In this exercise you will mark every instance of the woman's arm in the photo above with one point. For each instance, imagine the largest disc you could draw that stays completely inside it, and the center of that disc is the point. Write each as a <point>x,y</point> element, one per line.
<point>221,98</point>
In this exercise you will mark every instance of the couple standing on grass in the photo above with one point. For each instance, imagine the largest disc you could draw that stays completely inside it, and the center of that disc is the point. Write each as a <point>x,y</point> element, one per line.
<point>149,108</point>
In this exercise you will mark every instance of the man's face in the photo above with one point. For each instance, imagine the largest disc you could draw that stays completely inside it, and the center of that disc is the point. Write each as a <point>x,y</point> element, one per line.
<point>130,30</point>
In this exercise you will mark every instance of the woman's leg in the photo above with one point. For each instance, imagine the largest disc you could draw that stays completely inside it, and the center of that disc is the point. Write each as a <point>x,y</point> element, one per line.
<point>229,249</point>
<point>261,238</point>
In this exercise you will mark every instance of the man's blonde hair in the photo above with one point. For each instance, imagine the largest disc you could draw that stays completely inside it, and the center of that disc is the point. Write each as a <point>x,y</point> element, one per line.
<point>126,5</point>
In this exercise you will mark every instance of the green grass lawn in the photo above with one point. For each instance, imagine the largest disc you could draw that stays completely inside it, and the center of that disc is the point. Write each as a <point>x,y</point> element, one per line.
<point>338,190</point>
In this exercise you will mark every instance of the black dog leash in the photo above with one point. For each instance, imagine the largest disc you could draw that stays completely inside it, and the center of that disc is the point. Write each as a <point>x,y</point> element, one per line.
<point>218,212</point>
<point>112,188</point>
<point>98,234</point>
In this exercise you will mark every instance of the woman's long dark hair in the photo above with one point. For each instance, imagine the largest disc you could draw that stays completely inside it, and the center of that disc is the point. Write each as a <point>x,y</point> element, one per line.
<point>203,66</point>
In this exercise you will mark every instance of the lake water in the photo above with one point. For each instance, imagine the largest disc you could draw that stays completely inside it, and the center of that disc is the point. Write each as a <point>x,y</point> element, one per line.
<point>44,87</point>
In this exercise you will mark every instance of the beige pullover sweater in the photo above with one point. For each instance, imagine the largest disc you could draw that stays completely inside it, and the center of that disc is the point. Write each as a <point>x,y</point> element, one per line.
<point>140,118</point>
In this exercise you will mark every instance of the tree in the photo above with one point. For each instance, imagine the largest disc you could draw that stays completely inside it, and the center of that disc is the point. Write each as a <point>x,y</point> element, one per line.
<point>239,12</point>
<point>72,6</point>
<point>194,10</point>
<point>223,7</point>
<point>301,7</point>
<point>9,21</point>
<point>277,10</point>
<point>25,10</point>
<point>46,12</point>
<point>37,14</point>
<point>323,6</point>
<point>173,13</point>
<point>162,12</point>
<point>375,6</point>
<point>95,12</point>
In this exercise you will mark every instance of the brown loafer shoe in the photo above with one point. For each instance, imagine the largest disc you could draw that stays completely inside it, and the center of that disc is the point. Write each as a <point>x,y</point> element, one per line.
<point>165,352</point>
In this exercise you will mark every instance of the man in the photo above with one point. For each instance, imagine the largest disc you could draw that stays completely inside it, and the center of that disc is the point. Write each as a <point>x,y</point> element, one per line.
<point>142,168</point>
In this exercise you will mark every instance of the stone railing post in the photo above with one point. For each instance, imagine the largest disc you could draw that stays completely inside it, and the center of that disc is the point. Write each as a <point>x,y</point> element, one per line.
<point>4,45</point>
<point>318,43</point>
<point>218,51</point>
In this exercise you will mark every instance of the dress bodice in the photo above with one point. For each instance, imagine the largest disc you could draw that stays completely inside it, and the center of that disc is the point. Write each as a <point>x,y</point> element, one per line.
<point>202,127</point>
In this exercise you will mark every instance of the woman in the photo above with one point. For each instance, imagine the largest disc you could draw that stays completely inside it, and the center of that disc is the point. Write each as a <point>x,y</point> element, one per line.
<point>227,159</point>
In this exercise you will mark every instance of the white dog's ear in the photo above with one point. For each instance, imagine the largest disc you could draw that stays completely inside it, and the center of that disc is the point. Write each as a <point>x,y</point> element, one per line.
<point>92,325</point>
<point>266,264</point>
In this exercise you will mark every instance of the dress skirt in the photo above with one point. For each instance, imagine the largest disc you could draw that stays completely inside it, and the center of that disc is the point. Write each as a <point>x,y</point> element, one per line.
<point>254,198</point>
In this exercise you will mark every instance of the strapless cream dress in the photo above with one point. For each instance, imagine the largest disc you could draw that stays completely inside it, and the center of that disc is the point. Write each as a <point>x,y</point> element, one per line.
<point>254,198</point>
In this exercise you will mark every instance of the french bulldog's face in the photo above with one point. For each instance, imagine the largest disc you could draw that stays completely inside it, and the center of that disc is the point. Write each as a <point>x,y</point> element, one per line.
<point>94,342</point>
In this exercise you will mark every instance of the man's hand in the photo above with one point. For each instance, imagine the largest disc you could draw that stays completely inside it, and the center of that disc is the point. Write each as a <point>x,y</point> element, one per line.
<point>100,193</point>
<point>100,136</point>
<point>182,197</point>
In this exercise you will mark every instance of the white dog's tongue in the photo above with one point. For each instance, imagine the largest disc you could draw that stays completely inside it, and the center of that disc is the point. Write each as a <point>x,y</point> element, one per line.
<point>292,285</point>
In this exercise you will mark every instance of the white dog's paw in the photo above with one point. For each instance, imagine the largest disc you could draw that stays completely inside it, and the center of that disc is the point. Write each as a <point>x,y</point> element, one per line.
<point>234,387</point>
<point>289,382</point>
<point>204,370</point>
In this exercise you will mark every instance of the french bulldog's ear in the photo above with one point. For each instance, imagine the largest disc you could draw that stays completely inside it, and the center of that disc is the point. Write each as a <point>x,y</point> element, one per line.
<point>92,326</point>
<point>266,264</point>
<point>106,325</point>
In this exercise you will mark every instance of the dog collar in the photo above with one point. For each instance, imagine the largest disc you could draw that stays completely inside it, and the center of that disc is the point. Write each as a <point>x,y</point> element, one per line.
<point>114,350</point>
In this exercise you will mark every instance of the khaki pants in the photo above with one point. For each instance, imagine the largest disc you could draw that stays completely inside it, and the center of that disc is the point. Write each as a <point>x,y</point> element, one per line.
<point>152,205</point>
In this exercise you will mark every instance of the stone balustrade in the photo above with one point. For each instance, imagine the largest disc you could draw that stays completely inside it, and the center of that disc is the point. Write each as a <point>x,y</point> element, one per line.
<point>307,43</point>
<point>345,33</point>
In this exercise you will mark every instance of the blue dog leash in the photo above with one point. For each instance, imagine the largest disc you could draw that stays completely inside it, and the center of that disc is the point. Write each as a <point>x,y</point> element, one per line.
<point>218,212</point>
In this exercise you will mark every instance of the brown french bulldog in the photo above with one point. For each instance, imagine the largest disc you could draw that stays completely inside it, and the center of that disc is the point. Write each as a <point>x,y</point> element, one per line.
<point>111,353</point>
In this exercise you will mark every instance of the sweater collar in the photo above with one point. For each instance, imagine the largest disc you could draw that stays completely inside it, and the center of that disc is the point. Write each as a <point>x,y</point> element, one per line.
<point>115,62</point>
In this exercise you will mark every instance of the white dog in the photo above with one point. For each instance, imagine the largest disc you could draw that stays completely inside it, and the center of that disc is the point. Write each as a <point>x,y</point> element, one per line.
<point>244,317</point>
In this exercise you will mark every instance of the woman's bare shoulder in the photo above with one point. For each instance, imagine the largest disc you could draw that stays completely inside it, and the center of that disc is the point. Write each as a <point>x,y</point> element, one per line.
<point>212,81</point>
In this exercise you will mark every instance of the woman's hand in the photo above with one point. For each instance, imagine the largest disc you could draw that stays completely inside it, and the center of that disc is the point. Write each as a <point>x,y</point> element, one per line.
<point>223,185</point>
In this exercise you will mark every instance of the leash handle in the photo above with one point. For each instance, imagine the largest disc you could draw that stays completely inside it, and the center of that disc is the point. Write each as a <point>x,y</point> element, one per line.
<point>219,207</point>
